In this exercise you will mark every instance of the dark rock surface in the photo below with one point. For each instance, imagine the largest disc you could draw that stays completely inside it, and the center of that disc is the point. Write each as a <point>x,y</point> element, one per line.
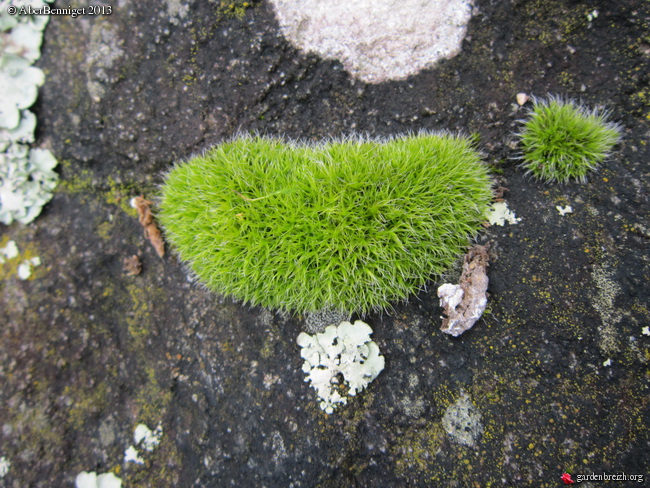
<point>557,368</point>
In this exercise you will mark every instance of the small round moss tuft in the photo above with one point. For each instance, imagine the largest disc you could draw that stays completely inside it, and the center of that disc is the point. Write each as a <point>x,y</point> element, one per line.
<point>562,140</point>
<point>348,225</point>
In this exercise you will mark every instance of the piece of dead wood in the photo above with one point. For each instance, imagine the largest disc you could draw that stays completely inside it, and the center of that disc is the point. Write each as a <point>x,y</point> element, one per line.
<point>132,266</point>
<point>498,193</point>
<point>151,230</point>
<point>464,303</point>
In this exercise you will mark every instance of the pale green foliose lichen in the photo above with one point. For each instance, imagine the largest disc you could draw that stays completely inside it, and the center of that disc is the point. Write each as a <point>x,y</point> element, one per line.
<point>9,251</point>
<point>498,214</point>
<point>92,480</point>
<point>4,466</point>
<point>131,455</point>
<point>27,182</point>
<point>340,353</point>
<point>19,82</point>
<point>145,439</point>
<point>27,179</point>
<point>24,270</point>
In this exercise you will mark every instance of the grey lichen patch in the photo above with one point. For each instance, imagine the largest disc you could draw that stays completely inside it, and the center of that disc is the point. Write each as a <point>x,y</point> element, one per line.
<point>462,421</point>
<point>104,50</point>
<point>367,39</point>
<point>278,448</point>
<point>176,11</point>
<point>266,317</point>
<point>107,432</point>
<point>606,292</point>
<point>413,407</point>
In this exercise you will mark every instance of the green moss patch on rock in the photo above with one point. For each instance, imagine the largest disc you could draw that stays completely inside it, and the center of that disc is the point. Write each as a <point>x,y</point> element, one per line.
<point>351,225</point>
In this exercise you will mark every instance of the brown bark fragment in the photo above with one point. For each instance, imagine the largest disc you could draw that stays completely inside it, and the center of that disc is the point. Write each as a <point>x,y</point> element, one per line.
<point>464,303</point>
<point>151,230</point>
<point>132,266</point>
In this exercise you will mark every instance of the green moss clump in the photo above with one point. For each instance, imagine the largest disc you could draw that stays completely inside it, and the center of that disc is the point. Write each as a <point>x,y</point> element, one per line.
<point>562,140</point>
<point>351,224</point>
